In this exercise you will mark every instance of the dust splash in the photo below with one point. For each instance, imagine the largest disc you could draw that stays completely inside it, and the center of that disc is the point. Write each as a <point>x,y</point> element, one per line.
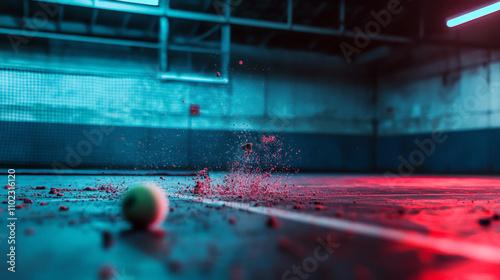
<point>260,173</point>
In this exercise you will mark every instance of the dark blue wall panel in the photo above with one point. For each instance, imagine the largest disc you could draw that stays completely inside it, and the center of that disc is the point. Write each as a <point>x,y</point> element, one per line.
<point>475,151</point>
<point>495,151</point>
<point>41,144</point>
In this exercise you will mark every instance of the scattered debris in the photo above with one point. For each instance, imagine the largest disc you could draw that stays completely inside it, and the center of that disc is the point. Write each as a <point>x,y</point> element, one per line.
<point>272,222</point>
<point>484,222</point>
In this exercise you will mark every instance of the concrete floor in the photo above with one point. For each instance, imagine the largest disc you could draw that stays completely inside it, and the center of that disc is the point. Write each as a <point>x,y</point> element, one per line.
<point>326,227</point>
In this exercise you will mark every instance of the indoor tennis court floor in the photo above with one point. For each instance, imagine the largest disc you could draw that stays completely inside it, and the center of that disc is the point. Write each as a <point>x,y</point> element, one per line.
<point>327,227</point>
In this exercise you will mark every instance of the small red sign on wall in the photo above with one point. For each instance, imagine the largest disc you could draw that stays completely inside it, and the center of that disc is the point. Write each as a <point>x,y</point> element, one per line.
<point>194,110</point>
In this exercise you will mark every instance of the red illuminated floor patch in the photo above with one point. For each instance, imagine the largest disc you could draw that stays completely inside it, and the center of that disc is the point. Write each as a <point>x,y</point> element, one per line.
<point>411,228</point>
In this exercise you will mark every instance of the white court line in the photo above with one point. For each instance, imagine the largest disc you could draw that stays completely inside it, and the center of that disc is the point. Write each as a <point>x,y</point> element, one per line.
<point>445,245</point>
<point>409,194</point>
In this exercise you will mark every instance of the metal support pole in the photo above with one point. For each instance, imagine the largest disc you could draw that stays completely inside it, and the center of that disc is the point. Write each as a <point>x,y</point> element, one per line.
<point>95,14</point>
<point>125,22</point>
<point>289,19</point>
<point>60,18</point>
<point>421,32</point>
<point>163,39</point>
<point>342,16</point>
<point>26,9</point>
<point>226,41</point>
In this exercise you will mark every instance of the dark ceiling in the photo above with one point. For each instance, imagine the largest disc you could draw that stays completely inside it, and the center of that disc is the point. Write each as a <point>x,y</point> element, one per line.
<point>421,22</point>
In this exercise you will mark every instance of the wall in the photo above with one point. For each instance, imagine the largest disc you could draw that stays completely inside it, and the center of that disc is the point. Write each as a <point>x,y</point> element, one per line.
<point>52,95</point>
<point>451,93</point>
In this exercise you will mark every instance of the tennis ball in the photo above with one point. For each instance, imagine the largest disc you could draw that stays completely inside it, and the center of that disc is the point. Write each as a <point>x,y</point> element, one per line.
<point>145,206</point>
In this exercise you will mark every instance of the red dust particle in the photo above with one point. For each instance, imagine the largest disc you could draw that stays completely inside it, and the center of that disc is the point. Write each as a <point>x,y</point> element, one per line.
<point>241,62</point>
<point>63,208</point>
<point>319,207</point>
<point>248,148</point>
<point>107,272</point>
<point>172,209</point>
<point>163,178</point>
<point>218,75</point>
<point>20,206</point>
<point>232,221</point>
<point>272,222</point>
<point>43,203</point>
<point>30,231</point>
<point>484,222</point>
<point>299,207</point>
<point>40,188</point>
<point>270,139</point>
<point>27,200</point>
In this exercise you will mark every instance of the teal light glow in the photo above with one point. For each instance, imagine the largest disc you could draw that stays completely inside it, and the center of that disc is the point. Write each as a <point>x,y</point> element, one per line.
<point>474,15</point>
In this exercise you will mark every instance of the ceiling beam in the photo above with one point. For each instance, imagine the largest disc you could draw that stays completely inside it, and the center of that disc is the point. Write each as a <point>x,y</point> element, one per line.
<point>205,48</point>
<point>163,10</point>
<point>196,16</point>
<point>80,38</point>
<point>110,6</point>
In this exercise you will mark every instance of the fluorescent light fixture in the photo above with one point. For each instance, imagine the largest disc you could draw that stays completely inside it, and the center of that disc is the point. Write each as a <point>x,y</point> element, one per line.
<point>474,15</point>
<point>142,2</point>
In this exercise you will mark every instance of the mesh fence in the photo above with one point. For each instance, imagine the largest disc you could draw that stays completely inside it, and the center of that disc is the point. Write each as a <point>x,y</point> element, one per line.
<point>130,100</point>
<point>43,112</point>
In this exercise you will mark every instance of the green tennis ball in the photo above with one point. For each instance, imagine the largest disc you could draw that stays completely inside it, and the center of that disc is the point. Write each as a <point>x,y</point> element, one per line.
<point>145,206</point>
